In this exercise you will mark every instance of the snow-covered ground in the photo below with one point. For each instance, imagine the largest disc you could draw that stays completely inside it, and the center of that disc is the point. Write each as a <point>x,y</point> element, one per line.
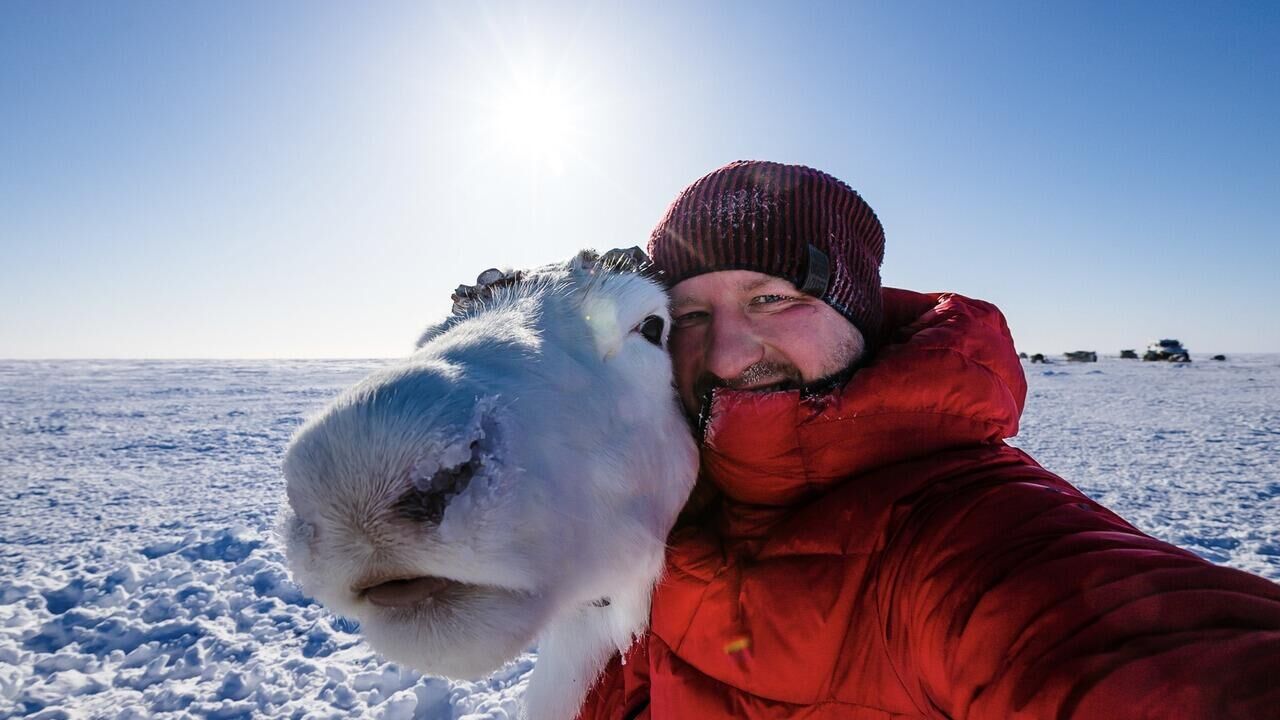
<point>1189,453</point>
<point>138,576</point>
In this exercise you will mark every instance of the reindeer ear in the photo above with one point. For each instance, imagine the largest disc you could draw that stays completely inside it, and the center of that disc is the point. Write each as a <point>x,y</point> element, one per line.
<point>625,260</point>
<point>617,260</point>
<point>630,260</point>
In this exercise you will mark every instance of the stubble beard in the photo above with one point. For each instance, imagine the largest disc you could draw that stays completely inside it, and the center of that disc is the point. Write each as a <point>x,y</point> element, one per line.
<point>773,376</point>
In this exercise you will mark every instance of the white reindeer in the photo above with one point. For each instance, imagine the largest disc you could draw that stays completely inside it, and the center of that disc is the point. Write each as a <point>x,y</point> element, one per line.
<point>513,480</point>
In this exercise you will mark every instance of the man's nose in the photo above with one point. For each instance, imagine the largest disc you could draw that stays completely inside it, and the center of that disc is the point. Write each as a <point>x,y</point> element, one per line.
<point>732,346</point>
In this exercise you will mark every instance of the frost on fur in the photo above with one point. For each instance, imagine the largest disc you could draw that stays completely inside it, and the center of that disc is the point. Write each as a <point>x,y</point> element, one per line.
<point>490,490</point>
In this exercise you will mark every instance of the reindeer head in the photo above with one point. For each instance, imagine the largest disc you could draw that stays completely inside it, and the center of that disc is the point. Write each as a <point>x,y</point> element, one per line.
<point>522,468</point>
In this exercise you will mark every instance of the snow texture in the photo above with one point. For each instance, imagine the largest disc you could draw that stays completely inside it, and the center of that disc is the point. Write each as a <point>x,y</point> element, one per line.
<point>138,499</point>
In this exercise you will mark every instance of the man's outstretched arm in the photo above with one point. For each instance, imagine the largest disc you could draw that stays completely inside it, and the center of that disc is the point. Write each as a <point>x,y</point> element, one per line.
<point>1016,596</point>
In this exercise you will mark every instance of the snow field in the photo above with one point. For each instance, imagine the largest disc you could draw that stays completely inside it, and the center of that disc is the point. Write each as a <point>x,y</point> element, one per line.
<point>1187,453</point>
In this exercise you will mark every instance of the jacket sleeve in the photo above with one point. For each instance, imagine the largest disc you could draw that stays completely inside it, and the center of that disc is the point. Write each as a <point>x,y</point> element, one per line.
<point>1017,597</point>
<point>622,690</point>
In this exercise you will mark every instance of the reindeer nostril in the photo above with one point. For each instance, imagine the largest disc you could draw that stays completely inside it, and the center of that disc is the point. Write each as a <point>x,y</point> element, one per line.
<point>421,506</point>
<point>428,498</point>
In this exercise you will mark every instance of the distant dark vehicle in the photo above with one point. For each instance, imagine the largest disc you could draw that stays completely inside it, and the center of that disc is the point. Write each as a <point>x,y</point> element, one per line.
<point>1038,358</point>
<point>1128,354</point>
<point>1219,358</point>
<point>1081,356</point>
<point>1170,350</point>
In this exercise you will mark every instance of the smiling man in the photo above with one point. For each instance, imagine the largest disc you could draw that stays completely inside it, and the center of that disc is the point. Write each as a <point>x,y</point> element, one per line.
<point>873,548</point>
<point>750,331</point>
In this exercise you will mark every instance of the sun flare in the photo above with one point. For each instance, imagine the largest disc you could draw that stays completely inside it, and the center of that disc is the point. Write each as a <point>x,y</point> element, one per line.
<point>537,120</point>
<point>534,115</point>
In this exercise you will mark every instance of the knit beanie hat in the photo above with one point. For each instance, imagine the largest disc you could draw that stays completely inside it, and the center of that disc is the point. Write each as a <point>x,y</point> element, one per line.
<point>790,221</point>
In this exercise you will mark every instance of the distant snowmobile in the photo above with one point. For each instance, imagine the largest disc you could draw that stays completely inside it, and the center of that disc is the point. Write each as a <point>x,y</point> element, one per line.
<point>1167,349</point>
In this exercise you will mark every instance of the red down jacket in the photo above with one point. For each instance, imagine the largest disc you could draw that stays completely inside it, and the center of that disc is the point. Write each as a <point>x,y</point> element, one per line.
<point>882,553</point>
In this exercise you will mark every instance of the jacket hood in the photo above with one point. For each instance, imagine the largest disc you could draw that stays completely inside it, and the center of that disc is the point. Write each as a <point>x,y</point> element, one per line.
<point>945,375</point>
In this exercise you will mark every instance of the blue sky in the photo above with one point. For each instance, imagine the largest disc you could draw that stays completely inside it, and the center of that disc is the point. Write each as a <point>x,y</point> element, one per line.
<point>311,179</point>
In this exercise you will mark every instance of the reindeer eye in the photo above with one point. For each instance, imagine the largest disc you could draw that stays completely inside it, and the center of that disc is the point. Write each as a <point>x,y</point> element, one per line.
<point>651,329</point>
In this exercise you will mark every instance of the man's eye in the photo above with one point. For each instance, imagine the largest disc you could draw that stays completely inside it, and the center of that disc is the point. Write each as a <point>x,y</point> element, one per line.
<point>769,299</point>
<point>689,318</point>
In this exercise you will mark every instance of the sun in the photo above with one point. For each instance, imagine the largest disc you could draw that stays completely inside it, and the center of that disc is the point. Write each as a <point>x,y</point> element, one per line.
<point>536,119</point>
<point>535,116</point>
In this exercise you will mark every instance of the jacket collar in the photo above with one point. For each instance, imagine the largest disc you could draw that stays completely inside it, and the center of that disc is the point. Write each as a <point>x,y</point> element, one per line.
<point>946,375</point>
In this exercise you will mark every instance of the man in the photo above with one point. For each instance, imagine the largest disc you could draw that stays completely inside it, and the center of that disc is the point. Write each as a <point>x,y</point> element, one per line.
<point>874,549</point>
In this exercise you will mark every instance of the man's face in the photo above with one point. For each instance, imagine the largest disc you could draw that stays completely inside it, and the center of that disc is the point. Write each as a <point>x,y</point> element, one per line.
<point>750,331</point>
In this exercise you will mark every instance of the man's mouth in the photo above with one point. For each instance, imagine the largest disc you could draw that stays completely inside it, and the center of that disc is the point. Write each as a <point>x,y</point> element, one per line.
<point>761,376</point>
<point>765,376</point>
<point>767,385</point>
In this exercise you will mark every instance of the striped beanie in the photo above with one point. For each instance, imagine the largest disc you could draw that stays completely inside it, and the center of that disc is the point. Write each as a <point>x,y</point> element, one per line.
<point>790,221</point>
